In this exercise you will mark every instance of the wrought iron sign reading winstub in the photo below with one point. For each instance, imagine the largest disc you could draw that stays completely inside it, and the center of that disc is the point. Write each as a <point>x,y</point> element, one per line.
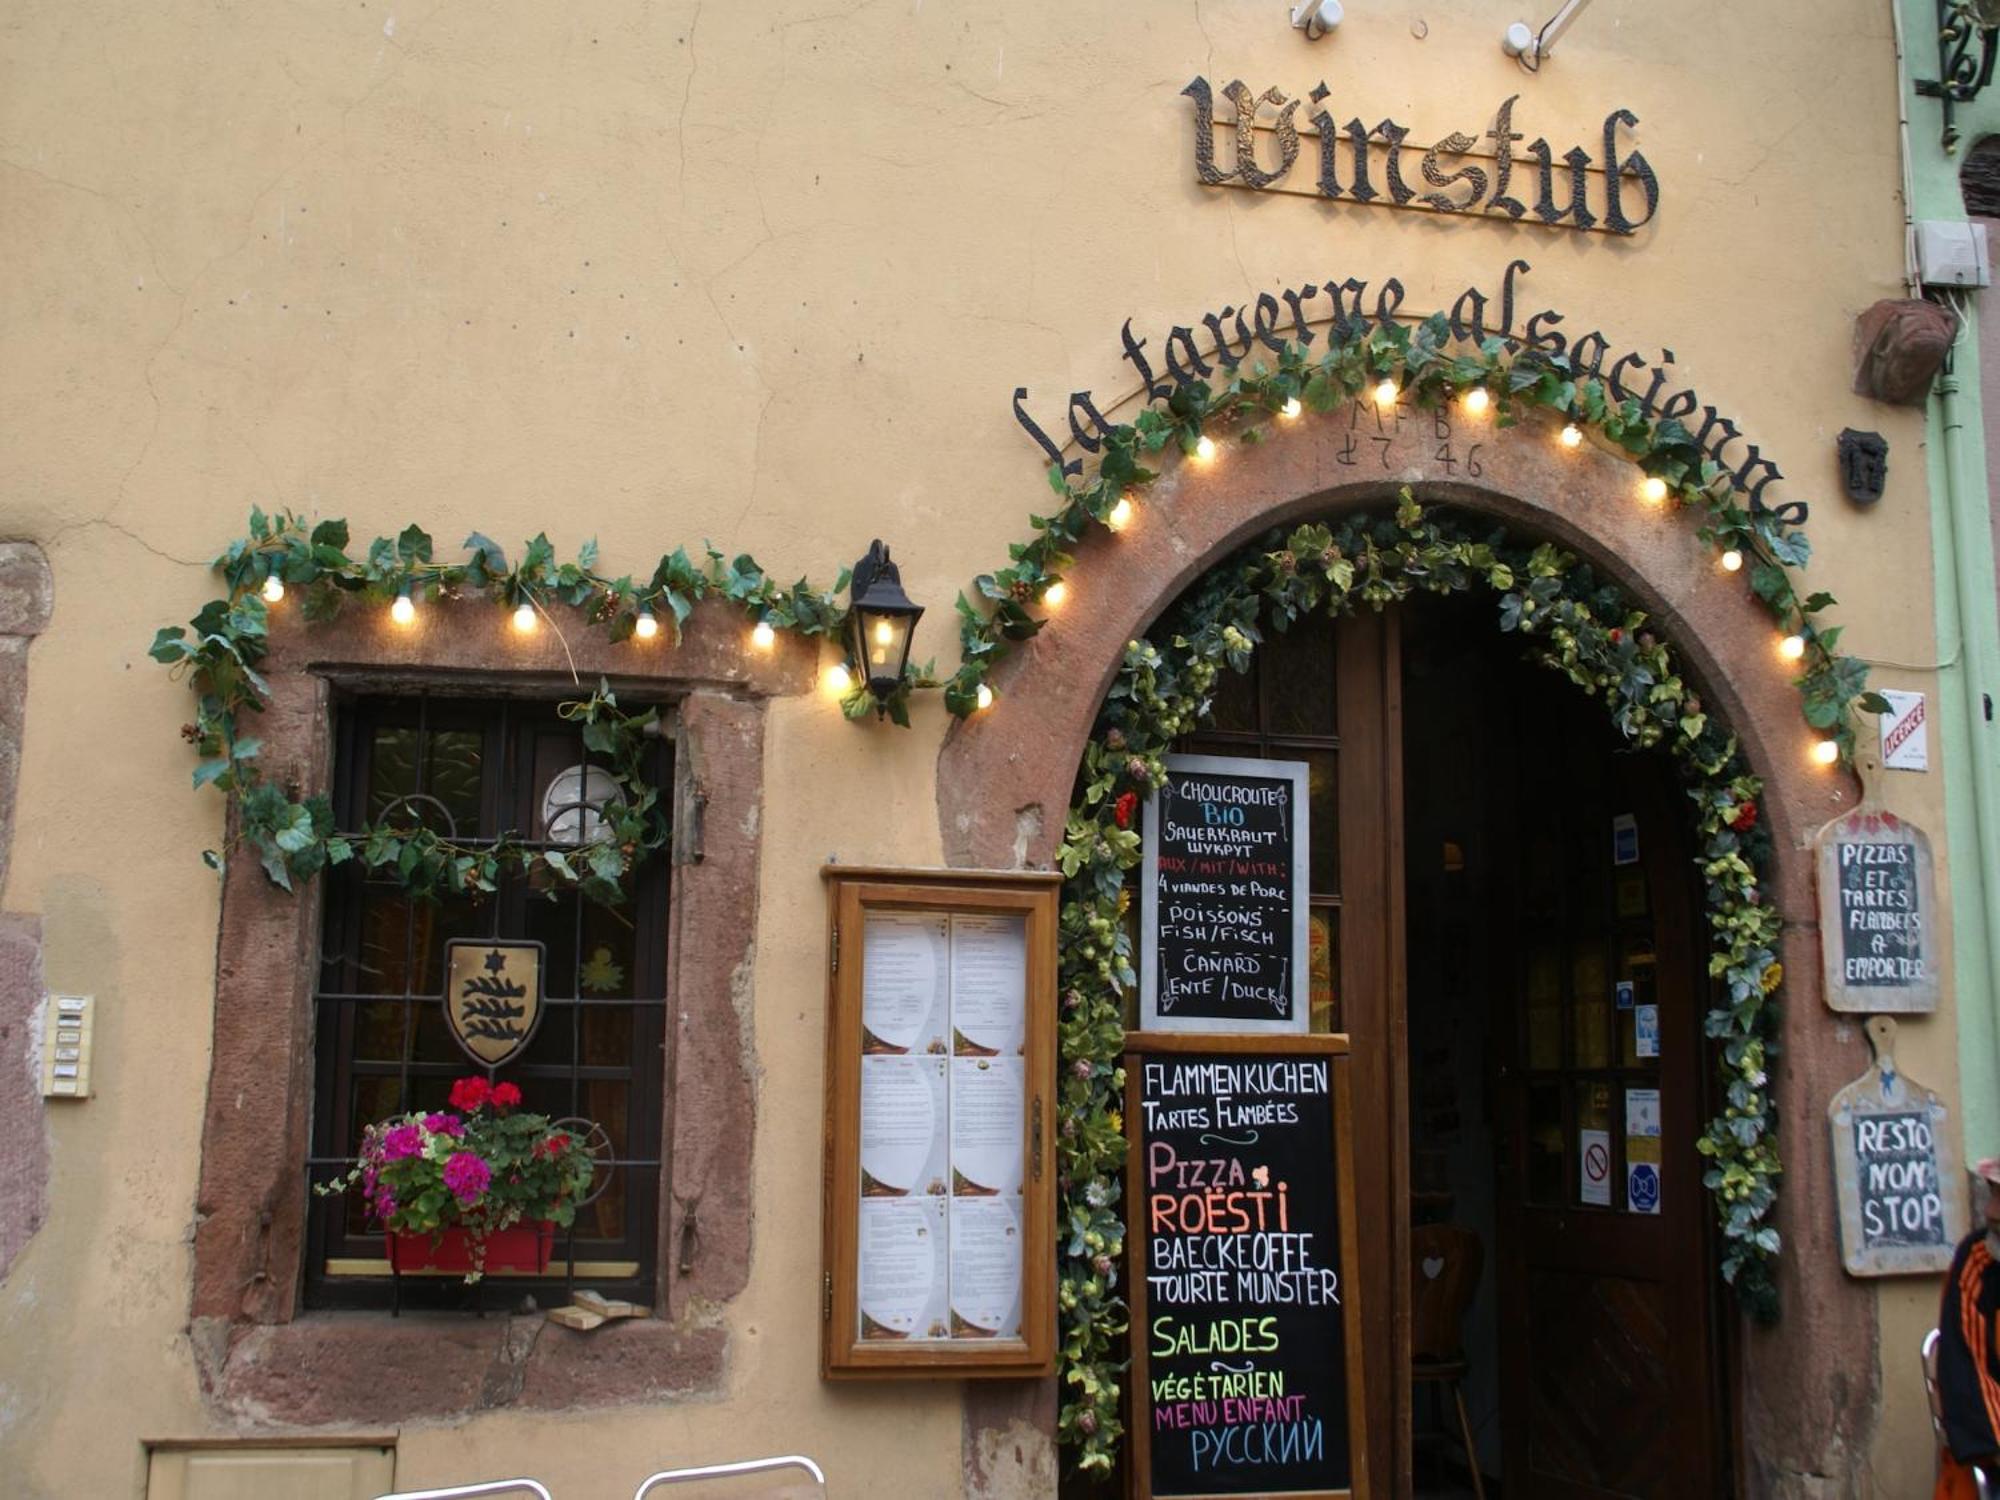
<point>1967,42</point>
<point>1533,185</point>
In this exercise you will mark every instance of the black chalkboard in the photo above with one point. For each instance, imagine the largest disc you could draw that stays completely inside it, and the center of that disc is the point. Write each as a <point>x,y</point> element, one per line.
<point>1223,897</point>
<point>1881,915</point>
<point>1896,1167</point>
<point>1240,1232</point>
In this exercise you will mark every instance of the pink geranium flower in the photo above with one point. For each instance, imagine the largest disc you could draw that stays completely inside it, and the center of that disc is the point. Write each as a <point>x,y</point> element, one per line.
<point>400,1142</point>
<point>467,1175</point>
<point>443,1124</point>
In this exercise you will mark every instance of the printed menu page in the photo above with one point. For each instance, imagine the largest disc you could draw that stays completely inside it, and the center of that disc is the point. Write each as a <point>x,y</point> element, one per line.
<point>904,985</point>
<point>943,1121</point>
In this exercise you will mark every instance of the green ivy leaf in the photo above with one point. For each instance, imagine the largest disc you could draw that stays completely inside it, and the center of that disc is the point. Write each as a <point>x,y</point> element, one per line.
<point>413,546</point>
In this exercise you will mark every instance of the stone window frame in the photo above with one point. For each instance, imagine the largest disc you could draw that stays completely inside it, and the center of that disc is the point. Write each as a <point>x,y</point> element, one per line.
<point>262,1358</point>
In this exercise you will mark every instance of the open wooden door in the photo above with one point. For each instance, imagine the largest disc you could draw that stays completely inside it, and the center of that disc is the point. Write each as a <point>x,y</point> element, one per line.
<point>1605,1277</point>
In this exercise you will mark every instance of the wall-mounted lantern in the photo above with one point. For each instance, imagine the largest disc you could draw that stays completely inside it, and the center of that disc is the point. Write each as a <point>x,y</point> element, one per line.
<point>880,620</point>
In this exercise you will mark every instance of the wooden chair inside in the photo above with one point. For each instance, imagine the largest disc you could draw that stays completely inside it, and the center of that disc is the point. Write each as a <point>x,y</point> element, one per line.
<point>1446,1260</point>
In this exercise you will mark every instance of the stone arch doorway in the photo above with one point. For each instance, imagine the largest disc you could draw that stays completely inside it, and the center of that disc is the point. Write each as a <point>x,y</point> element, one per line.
<point>1004,782</point>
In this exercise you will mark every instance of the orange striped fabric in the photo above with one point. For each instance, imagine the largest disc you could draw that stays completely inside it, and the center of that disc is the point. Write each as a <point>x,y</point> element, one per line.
<point>1978,1333</point>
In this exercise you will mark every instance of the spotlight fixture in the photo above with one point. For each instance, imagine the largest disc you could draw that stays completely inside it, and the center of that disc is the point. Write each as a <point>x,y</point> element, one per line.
<point>1316,17</point>
<point>1528,46</point>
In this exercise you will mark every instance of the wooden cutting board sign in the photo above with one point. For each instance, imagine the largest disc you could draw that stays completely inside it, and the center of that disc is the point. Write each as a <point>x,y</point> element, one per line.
<point>1902,1201</point>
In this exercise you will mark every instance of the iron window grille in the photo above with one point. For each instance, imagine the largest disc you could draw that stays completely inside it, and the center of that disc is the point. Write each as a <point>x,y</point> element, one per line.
<point>475,770</point>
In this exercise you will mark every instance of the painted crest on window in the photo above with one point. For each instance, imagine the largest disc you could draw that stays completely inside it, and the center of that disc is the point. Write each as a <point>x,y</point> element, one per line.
<point>493,997</point>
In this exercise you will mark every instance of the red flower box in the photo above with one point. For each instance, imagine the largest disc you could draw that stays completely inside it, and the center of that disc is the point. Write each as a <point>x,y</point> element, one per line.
<point>519,1247</point>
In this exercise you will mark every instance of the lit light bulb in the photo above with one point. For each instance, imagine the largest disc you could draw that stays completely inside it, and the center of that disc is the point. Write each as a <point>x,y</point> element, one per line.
<point>1792,647</point>
<point>1572,435</point>
<point>1478,399</point>
<point>1121,514</point>
<point>645,627</point>
<point>524,618</point>
<point>984,697</point>
<point>403,611</point>
<point>1204,447</point>
<point>1732,561</point>
<point>1291,408</point>
<point>885,633</point>
<point>1825,752</point>
<point>763,637</point>
<point>1385,393</point>
<point>274,589</point>
<point>839,679</point>
<point>1055,593</point>
<point>1654,490</point>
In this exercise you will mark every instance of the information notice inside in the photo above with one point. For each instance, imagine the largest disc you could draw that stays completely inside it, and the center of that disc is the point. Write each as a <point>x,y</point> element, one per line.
<point>1240,1209</point>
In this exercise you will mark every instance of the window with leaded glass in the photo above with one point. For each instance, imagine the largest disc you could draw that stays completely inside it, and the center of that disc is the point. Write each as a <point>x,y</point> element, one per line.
<point>475,771</point>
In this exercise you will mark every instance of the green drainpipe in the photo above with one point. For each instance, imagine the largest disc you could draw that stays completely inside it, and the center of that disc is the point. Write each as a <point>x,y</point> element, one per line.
<point>1969,651</point>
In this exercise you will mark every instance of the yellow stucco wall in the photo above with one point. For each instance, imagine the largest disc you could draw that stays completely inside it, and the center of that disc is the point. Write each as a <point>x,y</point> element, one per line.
<point>768,275</point>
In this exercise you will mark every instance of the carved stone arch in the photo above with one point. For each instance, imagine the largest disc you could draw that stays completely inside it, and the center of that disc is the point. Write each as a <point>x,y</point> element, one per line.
<point>1005,778</point>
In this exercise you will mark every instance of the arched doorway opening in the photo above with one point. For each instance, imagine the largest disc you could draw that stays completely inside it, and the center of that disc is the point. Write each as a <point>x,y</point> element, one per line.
<point>1503,924</point>
<point>1005,778</point>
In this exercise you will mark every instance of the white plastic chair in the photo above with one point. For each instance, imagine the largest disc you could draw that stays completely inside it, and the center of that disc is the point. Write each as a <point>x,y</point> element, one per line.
<point>484,1487</point>
<point>722,1471</point>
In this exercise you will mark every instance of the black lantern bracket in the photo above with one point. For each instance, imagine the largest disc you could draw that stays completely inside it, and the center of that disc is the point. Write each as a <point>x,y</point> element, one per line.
<point>881,621</point>
<point>1967,40</point>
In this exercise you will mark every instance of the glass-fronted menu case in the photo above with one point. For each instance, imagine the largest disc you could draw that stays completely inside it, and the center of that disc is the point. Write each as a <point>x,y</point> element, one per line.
<point>939,1184</point>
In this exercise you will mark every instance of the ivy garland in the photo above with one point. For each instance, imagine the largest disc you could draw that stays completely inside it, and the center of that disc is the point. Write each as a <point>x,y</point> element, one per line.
<point>1582,627</point>
<point>1423,364</point>
<point>293,834</point>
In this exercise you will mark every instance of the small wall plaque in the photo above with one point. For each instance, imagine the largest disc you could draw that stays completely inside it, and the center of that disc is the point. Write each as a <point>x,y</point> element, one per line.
<point>493,997</point>
<point>1864,465</point>
<point>66,1036</point>
<point>1902,1205</point>
<point>1878,914</point>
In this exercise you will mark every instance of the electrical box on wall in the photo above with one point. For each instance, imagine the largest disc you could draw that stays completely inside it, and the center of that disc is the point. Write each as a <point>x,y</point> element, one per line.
<point>66,1046</point>
<point>1952,254</point>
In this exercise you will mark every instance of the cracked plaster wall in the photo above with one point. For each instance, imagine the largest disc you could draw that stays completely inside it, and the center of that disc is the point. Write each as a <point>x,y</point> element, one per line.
<point>767,274</point>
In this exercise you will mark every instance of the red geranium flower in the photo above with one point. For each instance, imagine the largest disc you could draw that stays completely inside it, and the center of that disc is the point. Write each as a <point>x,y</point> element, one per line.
<point>1124,807</point>
<point>471,1094</point>
<point>505,1096</point>
<point>1745,819</point>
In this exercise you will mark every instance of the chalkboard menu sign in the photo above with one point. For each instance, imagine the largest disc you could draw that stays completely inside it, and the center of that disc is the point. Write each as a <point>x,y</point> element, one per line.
<point>1894,1169</point>
<point>1240,1214</point>
<point>1877,914</point>
<point>1223,932</point>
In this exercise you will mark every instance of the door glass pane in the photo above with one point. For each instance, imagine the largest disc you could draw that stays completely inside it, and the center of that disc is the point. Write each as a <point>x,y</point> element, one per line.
<point>1323,787</point>
<point>1323,954</point>
<point>1591,1001</point>
<point>1544,1012</point>
<point>1235,700</point>
<point>1545,1144</point>
<point>1300,671</point>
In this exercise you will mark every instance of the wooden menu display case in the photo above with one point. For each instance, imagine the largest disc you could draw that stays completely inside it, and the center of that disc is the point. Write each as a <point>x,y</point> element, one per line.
<point>939,1183</point>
